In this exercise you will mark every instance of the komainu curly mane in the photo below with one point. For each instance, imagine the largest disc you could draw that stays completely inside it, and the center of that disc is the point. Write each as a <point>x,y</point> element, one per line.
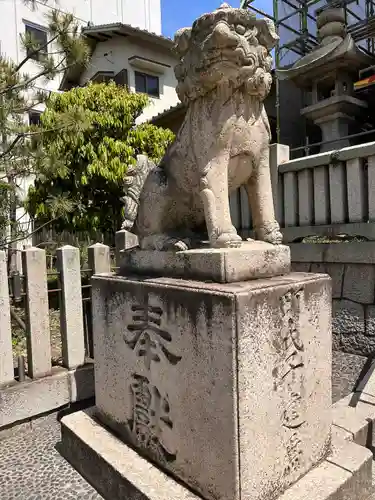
<point>223,76</point>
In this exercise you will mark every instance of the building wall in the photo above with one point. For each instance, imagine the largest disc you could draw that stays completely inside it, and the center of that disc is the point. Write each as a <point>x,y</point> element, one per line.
<point>292,129</point>
<point>113,55</point>
<point>14,13</point>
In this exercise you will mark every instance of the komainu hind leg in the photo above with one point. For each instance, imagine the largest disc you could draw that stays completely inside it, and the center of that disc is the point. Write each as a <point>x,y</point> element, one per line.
<point>156,219</point>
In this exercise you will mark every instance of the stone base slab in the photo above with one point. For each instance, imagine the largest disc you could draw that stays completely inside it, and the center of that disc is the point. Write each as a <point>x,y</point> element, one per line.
<point>113,468</point>
<point>28,399</point>
<point>255,259</point>
<point>118,472</point>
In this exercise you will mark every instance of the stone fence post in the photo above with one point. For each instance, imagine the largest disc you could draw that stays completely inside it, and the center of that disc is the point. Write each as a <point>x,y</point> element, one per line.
<point>37,317</point>
<point>123,241</point>
<point>6,357</point>
<point>99,258</point>
<point>279,153</point>
<point>71,310</point>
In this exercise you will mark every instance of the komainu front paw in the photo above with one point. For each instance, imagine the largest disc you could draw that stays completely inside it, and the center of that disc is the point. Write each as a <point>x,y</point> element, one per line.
<point>164,242</point>
<point>226,240</point>
<point>177,245</point>
<point>270,233</point>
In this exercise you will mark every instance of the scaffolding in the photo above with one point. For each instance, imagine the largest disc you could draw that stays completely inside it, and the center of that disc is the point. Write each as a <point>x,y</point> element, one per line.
<point>295,22</point>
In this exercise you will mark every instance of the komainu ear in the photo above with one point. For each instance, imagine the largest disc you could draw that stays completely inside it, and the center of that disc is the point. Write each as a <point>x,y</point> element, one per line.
<point>182,41</point>
<point>267,35</point>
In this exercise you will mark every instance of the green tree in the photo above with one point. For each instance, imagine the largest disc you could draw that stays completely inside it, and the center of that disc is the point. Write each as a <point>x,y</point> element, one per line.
<point>19,93</point>
<point>84,190</point>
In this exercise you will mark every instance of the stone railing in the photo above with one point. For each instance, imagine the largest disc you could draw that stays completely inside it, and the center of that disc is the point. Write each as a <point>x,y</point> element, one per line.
<point>352,269</point>
<point>43,383</point>
<point>325,194</point>
<point>328,193</point>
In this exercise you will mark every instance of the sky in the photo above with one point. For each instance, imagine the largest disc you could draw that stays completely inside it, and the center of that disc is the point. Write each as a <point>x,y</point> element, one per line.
<point>179,14</point>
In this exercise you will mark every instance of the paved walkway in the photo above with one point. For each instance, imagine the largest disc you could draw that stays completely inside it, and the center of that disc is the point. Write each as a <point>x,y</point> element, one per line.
<point>32,469</point>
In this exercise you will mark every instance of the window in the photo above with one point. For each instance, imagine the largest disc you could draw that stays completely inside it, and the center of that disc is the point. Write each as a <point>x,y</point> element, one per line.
<point>39,38</point>
<point>147,84</point>
<point>103,77</point>
<point>34,117</point>
<point>122,78</point>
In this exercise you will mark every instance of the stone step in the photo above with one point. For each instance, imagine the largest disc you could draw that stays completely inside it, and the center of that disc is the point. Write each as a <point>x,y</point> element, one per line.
<point>118,472</point>
<point>115,470</point>
<point>355,423</point>
<point>345,475</point>
<point>372,494</point>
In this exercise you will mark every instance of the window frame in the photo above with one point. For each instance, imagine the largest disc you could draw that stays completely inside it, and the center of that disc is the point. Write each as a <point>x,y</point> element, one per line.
<point>31,27</point>
<point>34,112</point>
<point>145,76</point>
<point>104,74</point>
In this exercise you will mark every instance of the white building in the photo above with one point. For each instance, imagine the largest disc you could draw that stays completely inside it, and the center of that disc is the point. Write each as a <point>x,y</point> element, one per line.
<point>142,60</point>
<point>18,17</point>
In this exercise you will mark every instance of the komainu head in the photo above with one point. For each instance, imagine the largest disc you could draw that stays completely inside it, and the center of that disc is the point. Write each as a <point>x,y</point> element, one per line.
<point>226,47</point>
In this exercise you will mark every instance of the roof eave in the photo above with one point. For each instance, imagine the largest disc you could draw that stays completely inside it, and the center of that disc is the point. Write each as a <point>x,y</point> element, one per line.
<point>102,32</point>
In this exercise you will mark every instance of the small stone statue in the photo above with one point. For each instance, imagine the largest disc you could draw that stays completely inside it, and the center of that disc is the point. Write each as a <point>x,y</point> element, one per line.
<point>223,77</point>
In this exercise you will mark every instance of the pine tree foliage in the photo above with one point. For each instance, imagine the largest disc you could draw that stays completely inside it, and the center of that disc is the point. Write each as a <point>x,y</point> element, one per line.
<point>19,93</point>
<point>89,138</point>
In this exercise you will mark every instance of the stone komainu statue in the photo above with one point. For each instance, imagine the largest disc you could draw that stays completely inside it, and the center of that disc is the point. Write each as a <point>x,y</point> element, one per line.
<point>223,77</point>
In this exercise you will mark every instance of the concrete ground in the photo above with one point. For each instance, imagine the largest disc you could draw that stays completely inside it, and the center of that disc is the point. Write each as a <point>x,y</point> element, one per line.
<point>31,468</point>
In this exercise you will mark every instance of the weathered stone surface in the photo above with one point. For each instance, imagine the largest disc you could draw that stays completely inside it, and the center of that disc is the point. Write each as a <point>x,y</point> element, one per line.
<point>223,77</point>
<point>123,241</point>
<point>336,344</point>
<point>6,357</point>
<point>359,283</point>
<point>227,387</point>
<point>346,369</point>
<point>370,321</point>
<point>29,399</point>
<point>352,421</point>
<point>348,317</point>
<point>253,260</point>
<point>37,317</point>
<point>118,472</point>
<point>71,309</point>
<point>318,268</point>
<point>333,253</point>
<point>304,252</point>
<point>344,476</point>
<point>115,470</point>
<point>301,267</point>
<point>336,271</point>
<point>358,344</point>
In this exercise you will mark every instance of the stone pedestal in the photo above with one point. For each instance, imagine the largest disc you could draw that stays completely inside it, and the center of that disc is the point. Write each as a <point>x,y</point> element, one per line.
<point>252,260</point>
<point>227,387</point>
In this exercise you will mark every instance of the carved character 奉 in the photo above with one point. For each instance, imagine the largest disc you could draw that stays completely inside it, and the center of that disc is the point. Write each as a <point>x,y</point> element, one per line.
<point>223,77</point>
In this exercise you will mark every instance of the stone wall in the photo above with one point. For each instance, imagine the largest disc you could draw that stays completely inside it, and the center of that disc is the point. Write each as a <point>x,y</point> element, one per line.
<point>352,269</point>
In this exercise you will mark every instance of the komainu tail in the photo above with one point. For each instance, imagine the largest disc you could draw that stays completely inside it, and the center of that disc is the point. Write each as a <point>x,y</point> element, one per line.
<point>134,181</point>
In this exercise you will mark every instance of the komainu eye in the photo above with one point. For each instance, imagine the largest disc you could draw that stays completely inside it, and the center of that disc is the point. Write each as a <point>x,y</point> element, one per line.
<point>241,30</point>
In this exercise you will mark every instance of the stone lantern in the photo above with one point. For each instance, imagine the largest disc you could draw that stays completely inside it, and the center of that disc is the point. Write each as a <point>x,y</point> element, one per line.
<point>329,72</point>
